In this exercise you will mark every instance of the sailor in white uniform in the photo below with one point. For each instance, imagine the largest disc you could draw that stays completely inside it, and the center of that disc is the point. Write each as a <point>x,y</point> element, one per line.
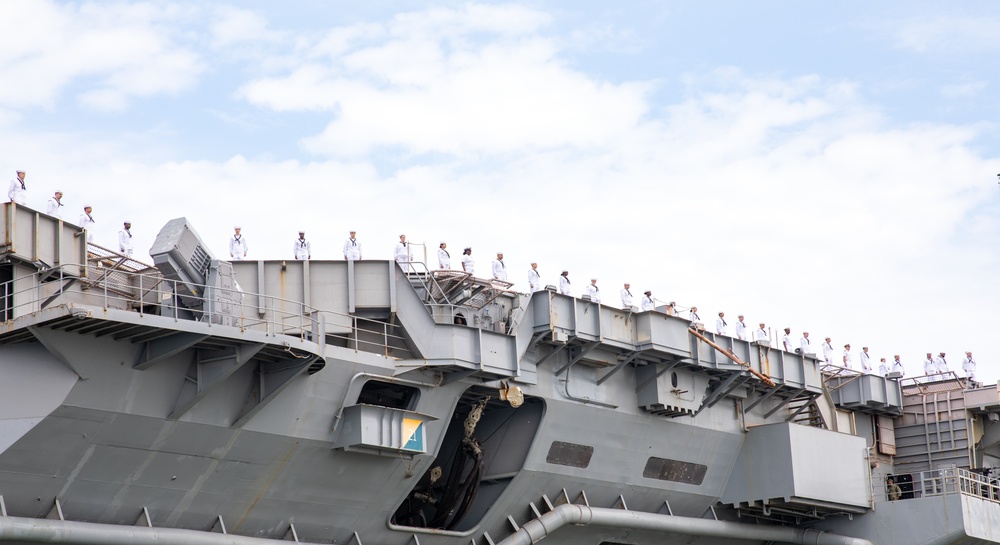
<point>564,284</point>
<point>866,360</point>
<point>693,315</point>
<point>969,366</point>
<point>302,247</point>
<point>499,268</point>
<point>805,345</point>
<point>18,192</point>
<point>626,294</point>
<point>534,279</point>
<point>720,324</point>
<point>828,351</point>
<point>929,366</point>
<point>55,203</point>
<point>125,239</point>
<point>444,258</point>
<point>402,253</point>
<point>941,363</point>
<point>883,368</point>
<point>761,335</point>
<point>741,328</point>
<point>897,366</point>
<point>238,246</point>
<point>847,356</point>
<point>468,264</point>
<point>786,340</point>
<point>87,222</point>
<point>593,291</point>
<point>647,301</point>
<point>352,248</point>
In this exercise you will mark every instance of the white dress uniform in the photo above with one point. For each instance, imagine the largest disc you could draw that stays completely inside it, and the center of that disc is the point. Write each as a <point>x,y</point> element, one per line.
<point>594,292</point>
<point>942,366</point>
<point>897,367</point>
<point>469,264</point>
<point>929,366</point>
<point>534,281</point>
<point>444,259</point>
<point>721,325</point>
<point>564,286</point>
<point>693,316</point>
<point>866,362</point>
<point>499,270</point>
<point>125,242</point>
<point>87,222</point>
<point>626,298</point>
<point>969,366</point>
<point>18,192</point>
<point>403,256</point>
<point>303,249</point>
<point>352,249</point>
<point>52,208</point>
<point>762,336</point>
<point>786,341</point>
<point>741,330</point>
<point>828,353</point>
<point>648,304</point>
<point>805,345</point>
<point>847,359</point>
<point>238,247</point>
<point>883,368</point>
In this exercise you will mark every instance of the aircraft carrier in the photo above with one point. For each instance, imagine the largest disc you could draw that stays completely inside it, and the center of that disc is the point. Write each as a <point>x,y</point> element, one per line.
<point>199,401</point>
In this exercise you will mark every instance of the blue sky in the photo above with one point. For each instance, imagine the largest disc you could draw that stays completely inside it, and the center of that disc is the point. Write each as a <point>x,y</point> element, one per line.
<point>825,166</point>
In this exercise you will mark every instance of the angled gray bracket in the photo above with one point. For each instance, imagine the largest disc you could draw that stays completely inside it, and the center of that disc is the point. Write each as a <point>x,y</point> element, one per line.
<point>272,379</point>
<point>621,365</point>
<point>783,403</point>
<point>211,369</point>
<point>733,382</point>
<point>152,352</point>
<point>45,338</point>
<point>761,398</point>
<point>584,350</point>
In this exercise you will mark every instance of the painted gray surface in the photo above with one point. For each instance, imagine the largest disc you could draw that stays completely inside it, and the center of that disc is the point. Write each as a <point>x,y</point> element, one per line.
<point>800,464</point>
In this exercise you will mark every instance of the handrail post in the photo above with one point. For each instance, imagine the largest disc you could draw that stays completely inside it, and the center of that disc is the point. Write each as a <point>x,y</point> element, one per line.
<point>385,337</point>
<point>140,294</point>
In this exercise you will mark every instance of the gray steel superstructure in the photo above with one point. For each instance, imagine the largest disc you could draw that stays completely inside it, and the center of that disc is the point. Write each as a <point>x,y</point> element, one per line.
<point>202,401</point>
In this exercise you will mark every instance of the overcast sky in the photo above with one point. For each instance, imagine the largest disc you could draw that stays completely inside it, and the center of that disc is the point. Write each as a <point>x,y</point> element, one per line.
<point>830,167</point>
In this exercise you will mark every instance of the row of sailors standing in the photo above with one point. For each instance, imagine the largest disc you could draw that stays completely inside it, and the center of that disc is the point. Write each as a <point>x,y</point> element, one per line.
<point>402,254</point>
<point>17,193</point>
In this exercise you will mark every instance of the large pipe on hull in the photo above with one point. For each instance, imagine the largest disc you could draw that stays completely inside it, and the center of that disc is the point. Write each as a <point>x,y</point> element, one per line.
<point>31,530</point>
<point>536,529</point>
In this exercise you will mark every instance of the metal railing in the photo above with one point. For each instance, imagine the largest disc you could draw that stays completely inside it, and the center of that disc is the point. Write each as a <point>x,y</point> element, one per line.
<point>952,480</point>
<point>150,292</point>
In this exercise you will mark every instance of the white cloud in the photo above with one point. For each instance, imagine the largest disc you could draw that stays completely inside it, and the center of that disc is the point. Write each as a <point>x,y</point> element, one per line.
<point>947,33</point>
<point>963,90</point>
<point>453,81</point>
<point>118,51</point>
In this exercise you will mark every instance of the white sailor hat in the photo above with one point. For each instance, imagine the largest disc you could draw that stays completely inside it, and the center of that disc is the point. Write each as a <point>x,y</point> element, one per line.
<point>87,206</point>
<point>237,227</point>
<point>19,172</point>
<point>127,221</point>
<point>442,242</point>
